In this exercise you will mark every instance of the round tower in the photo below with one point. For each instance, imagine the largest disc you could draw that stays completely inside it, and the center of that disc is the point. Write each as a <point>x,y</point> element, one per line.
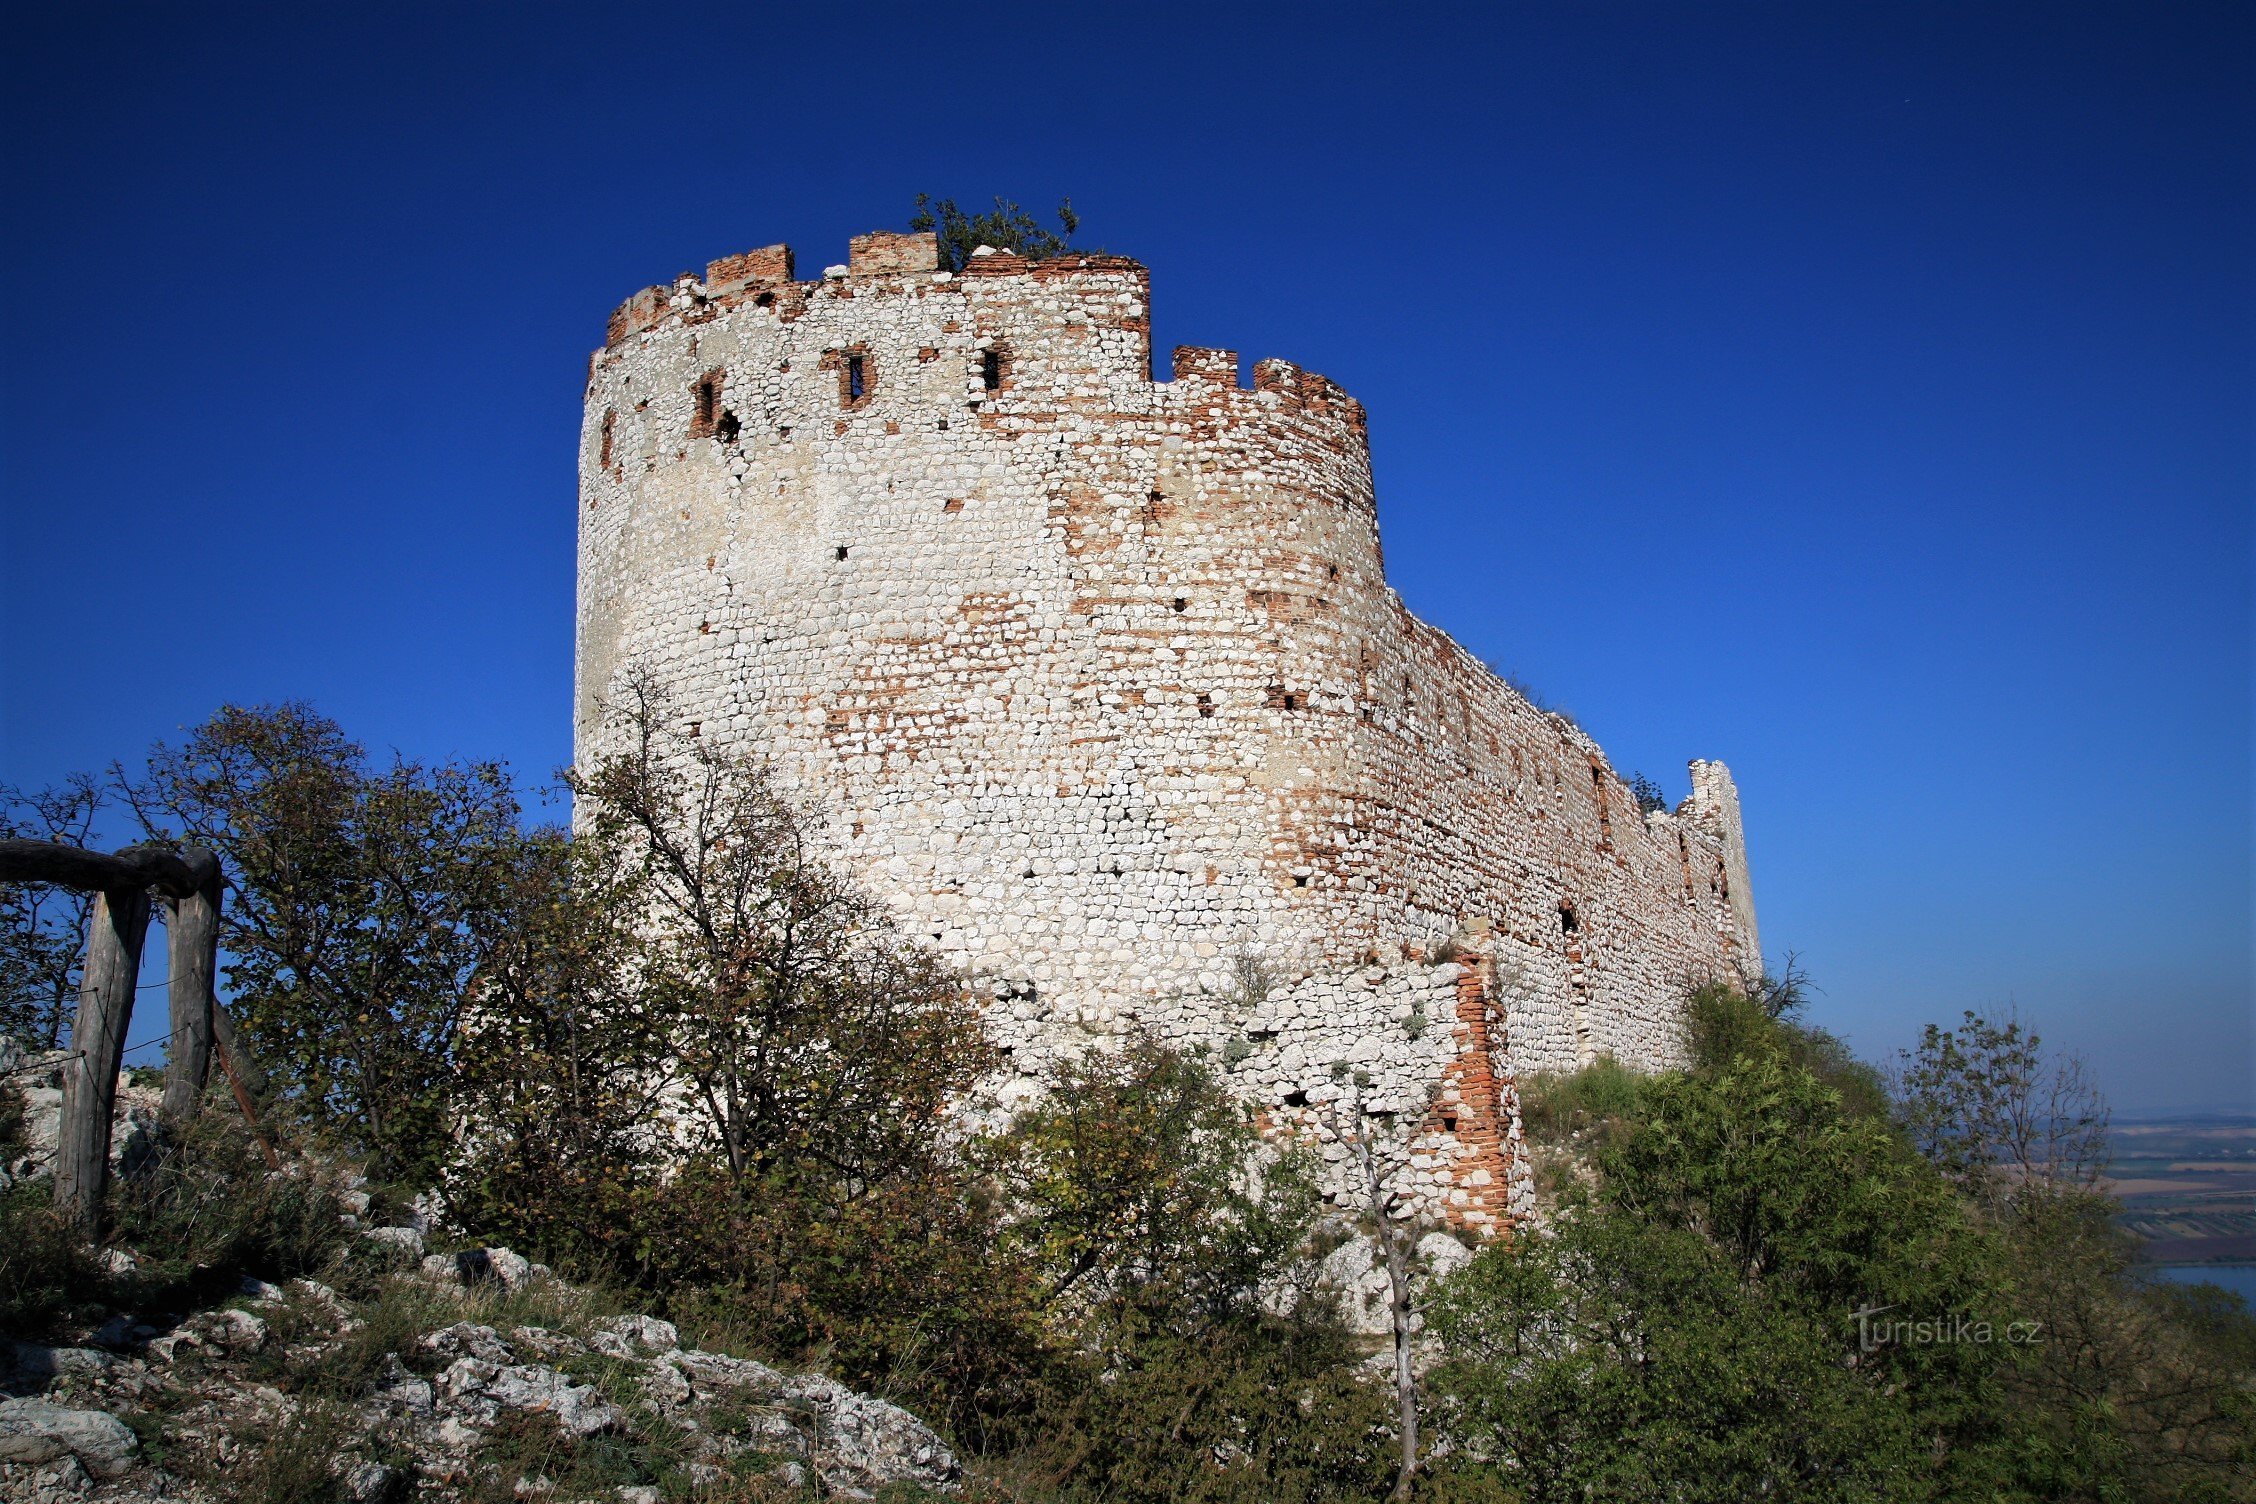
<point>1095,679</point>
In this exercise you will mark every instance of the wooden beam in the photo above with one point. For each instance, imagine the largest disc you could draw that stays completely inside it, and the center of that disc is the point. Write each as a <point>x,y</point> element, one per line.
<point>118,925</point>
<point>176,874</point>
<point>192,939</point>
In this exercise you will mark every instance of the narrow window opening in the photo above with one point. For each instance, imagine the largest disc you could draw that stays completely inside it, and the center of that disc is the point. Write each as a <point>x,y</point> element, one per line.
<point>726,428</point>
<point>1449,1122</point>
<point>610,422</point>
<point>1568,923</point>
<point>857,378</point>
<point>991,370</point>
<point>1331,571</point>
<point>705,410</point>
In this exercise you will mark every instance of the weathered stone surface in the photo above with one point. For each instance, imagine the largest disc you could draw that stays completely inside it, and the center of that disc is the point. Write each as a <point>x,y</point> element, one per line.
<point>477,1266</point>
<point>1097,681</point>
<point>486,1388</point>
<point>34,1430</point>
<point>406,1241</point>
<point>647,1333</point>
<point>468,1339</point>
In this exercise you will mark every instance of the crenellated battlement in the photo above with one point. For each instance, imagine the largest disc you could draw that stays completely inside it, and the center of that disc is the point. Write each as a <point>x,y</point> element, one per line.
<point>1096,679</point>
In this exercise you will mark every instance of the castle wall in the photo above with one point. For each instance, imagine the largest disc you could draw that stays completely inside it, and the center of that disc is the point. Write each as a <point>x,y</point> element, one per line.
<point>1097,680</point>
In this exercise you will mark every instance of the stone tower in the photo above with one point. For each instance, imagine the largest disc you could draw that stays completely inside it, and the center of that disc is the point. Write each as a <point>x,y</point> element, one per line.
<point>1097,679</point>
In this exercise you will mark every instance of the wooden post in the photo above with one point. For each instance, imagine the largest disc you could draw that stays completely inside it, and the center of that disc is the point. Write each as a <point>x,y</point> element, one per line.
<point>105,1009</point>
<point>192,939</point>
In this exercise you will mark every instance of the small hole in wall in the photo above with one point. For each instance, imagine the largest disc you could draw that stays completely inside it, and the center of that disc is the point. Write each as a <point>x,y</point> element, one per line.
<point>952,504</point>
<point>764,300</point>
<point>1300,879</point>
<point>1206,704</point>
<point>1029,872</point>
<point>1568,922</point>
<point>1296,1099</point>
<point>1449,1122</point>
<point>1182,604</point>
<point>705,405</point>
<point>726,427</point>
<point>696,728</point>
<point>842,553</point>
<point>1331,571</point>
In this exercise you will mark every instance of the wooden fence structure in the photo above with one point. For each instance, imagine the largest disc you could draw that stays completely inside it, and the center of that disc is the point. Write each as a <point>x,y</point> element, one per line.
<point>126,885</point>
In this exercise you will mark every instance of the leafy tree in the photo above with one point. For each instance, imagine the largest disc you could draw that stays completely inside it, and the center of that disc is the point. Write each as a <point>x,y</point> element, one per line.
<point>42,927</point>
<point>1171,1249</point>
<point>1623,1360</point>
<point>1693,1329</point>
<point>1999,1114</point>
<point>1132,1183</point>
<point>560,1070</point>
<point>362,899</point>
<point>707,1065</point>
<point>1006,227</point>
<point>2135,1391</point>
<point>808,1036</point>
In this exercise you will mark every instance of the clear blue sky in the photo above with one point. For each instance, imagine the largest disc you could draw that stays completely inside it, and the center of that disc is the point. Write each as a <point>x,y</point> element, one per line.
<point>1860,394</point>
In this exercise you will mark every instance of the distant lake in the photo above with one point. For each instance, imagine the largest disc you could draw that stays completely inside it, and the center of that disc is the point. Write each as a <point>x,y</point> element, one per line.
<point>2238,1278</point>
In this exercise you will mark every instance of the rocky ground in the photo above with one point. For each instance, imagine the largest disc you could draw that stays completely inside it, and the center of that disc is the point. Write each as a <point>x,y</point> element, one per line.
<point>468,1376</point>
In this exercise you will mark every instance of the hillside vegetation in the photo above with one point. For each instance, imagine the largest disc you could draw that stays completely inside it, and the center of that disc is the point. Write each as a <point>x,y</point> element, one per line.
<point>735,1118</point>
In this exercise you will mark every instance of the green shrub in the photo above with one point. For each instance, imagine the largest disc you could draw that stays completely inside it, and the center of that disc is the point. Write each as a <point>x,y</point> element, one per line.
<point>294,1463</point>
<point>1006,227</point>
<point>46,1271</point>
<point>1599,1101</point>
<point>1726,1022</point>
<point>206,1210</point>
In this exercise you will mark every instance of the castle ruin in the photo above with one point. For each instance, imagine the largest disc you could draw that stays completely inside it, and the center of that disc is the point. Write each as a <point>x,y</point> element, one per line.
<point>1097,680</point>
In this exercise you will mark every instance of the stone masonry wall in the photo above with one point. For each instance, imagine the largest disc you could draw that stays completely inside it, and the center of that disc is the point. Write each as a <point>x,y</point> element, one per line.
<point>1097,680</point>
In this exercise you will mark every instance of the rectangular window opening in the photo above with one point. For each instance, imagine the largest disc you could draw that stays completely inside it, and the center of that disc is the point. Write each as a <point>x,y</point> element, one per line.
<point>991,370</point>
<point>857,383</point>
